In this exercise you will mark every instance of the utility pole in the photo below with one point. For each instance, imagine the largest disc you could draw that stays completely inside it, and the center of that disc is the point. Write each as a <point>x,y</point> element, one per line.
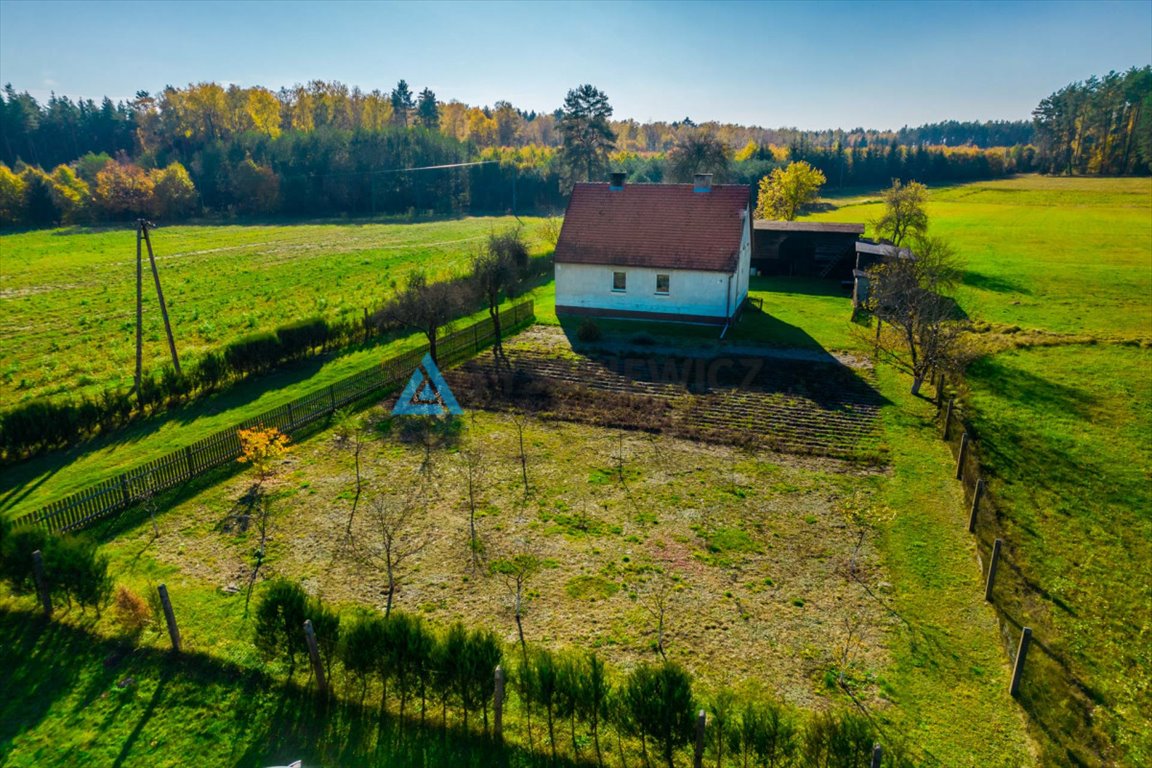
<point>160,295</point>
<point>142,226</point>
<point>139,307</point>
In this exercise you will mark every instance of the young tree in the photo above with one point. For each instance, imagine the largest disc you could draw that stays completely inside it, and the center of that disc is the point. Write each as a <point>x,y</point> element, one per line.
<point>660,705</point>
<point>263,449</point>
<point>587,137</point>
<point>396,537</point>
<point>359,649</point>
<point>785,192</point>
<point>280,619</point>
<point>698,151</point>
<point>517,572</point>
<point>904,216</point>
<point>427,111</point>
<point>473,470</point>
<point>909,294</point>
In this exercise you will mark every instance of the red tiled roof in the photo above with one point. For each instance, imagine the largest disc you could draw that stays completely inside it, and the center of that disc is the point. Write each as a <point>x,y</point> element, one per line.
<point>654,225</point>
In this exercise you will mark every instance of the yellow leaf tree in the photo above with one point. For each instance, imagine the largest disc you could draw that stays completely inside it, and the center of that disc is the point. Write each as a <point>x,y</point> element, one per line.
<point>786,191</point>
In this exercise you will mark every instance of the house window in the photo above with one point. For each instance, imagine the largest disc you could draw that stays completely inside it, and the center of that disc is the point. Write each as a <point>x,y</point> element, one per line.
<point>662,284</point>
<point>619,281</point>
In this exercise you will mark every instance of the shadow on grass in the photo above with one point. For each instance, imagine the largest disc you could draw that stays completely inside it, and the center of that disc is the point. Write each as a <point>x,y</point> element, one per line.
<point>205,708</point>
<point>994,284</point>
<point>798,286</point>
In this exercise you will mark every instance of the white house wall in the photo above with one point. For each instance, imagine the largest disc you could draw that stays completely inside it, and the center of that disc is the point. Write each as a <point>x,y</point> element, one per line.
<point>691,293</point>
<point>744,268</point>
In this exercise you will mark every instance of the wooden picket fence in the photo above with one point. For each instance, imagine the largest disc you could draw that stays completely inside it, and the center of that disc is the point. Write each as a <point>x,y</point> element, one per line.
<point>118,493</point>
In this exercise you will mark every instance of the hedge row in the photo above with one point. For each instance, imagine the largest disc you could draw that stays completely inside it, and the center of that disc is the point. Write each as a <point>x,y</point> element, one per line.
<point>653,706</point>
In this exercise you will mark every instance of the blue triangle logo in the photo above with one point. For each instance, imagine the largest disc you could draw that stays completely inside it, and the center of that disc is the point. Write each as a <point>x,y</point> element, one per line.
<point>427,394</point>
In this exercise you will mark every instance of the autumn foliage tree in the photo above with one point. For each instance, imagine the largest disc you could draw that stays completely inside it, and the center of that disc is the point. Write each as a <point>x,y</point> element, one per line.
<point>785,192</point>
<point>905,216</point>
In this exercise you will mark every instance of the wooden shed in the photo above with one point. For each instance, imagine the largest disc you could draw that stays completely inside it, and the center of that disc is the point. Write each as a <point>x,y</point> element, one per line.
<point>805,248</point>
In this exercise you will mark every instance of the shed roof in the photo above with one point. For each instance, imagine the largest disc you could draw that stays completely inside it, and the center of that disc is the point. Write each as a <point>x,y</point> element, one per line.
<point>808,226</point>
<point>666,226</point>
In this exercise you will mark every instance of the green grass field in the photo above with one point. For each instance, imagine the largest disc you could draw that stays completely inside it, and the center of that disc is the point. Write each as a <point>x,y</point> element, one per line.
<point>68,296</point>
<point>1064,429</point>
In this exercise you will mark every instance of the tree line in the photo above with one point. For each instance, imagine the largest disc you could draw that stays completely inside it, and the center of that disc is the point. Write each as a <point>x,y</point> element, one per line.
<point>1101,126</point>
<point>325,149</point>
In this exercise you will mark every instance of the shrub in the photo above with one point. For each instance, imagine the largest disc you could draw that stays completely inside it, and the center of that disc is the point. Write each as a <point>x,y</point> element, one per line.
<point>360,649</point>
<point>16,550</point>
<point>132,612</point>
<point>301,338</point>
<point>76,571</point>
<point>589,331</point>
<point>659,705</point>
<point>280,622</point>
<point>210,371</point>
<point>253,354</point>
<point>838,740</point>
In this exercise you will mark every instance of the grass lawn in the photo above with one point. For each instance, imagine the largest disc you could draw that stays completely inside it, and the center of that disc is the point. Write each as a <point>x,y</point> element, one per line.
<point>68,295</point>
<point>1063,429</point>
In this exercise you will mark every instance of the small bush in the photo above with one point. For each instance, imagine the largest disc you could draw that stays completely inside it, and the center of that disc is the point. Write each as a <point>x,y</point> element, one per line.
<point>16,550</point>
<point>76,571</point>
<point>589,332</point>
<point>131,612</point>
<point>280,622</point>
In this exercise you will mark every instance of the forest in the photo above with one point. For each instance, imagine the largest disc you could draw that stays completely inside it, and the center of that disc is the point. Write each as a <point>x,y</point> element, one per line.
<point>324,149</point>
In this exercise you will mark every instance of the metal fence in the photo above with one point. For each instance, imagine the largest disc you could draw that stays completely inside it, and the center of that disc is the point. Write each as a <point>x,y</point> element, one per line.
<point>117,493</point>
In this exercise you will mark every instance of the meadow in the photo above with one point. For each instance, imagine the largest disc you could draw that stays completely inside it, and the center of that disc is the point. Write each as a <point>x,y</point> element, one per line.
<point>68,295</point>
<point>1061,399</point>
<point>1057,278</point>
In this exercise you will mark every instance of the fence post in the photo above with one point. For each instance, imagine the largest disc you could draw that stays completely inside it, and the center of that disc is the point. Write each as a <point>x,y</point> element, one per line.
<point>993,564</point>
<point>41,582</point>
<point>124,489</point>
<point>1021,655</point>
<point>169,618</point>
<point>698,756</point>
<point>948,416</point>
<point>188,460</point>
<point>314,654</point>
<point>877,755</point>
<point>498,705</point>
<point>939,393</point>
<point>963,453</point>
<point>332,397</point>
<point>976,496</point>
<point>291,418</point>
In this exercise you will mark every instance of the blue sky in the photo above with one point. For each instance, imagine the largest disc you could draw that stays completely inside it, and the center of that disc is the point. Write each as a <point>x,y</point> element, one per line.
<point>810,65</point>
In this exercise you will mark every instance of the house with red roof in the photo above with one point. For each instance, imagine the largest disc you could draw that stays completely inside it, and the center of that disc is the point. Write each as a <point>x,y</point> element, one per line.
<point>677,252</point>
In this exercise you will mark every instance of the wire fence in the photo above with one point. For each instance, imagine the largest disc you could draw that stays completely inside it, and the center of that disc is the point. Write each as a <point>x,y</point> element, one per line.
<point>118,493</point>
<point>1058,700</point>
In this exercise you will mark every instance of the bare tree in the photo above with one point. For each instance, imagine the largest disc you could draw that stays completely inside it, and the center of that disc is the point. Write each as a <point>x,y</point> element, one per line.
<point>496,272</point>
<point>426,306</point>
<point>395,536</point>
<point>910,295</point>
<point>520,419</point>
<point>473,469</point>
<point>350,435</point>
<point>655,595</point>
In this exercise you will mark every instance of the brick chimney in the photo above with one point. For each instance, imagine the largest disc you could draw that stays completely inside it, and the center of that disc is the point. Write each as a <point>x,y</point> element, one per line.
<point>617,182</point>
<point>702,182</point>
